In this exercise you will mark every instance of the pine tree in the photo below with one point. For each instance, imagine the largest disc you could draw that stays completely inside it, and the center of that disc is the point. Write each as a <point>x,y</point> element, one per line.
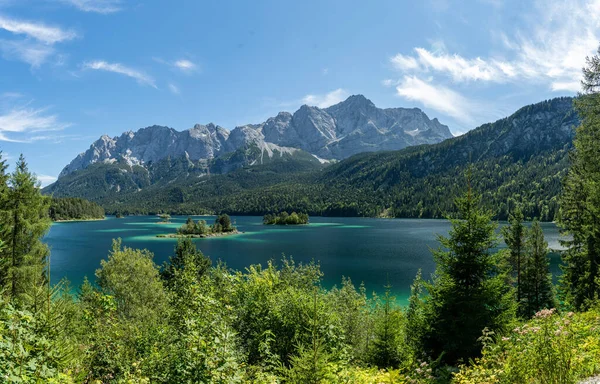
<point>187,256</point>
<point>468,292</point>
<point>386,350</point>
<point>580,199</point>
<point>25,221</point>
<point>538,292</point>
<point>514,237</point>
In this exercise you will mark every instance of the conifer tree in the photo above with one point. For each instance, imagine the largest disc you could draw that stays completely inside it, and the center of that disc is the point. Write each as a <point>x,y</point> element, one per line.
<point>386,349</point>
<point>538,292</point>
<point>468,292</point>
<point>514,237</point>
<point>25,220</point>
<point>580,199</point>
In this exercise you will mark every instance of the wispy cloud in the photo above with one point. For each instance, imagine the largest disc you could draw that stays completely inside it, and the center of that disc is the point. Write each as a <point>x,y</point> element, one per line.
<point>32,53</point>
<point>97,6</point>
<point>39,31</point>
<point>20,123</point>
<point>174,89</point>
<point>437,97</point>
<point>548,53</point>
<point>553,52</point>
<point>182,65</point>
<point>37,41</point>
<point>185,66</point>
<point>46,179</point>
<point>121,69</point>
<point>327,99</point>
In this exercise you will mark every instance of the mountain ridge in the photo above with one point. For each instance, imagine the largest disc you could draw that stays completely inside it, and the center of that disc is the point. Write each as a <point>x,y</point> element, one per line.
<point>334,133</point>
<point>521,158</point>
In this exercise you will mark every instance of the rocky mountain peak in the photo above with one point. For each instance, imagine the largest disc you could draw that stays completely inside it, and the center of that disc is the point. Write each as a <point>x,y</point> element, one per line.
<point>352,126</point>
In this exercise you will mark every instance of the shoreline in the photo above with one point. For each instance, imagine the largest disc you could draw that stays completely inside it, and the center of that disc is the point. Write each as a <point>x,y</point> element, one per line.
<point>205,236</point>
<point>77,220</point>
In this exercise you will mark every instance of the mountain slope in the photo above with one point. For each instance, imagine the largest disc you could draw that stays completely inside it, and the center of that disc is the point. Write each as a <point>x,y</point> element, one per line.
<point>521,158</point>
<point>352,126</point>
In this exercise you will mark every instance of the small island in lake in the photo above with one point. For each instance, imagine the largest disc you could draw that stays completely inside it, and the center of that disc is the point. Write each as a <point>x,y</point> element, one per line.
<point>165,218</point>
<point>199,229</point>
<point>284,218</point>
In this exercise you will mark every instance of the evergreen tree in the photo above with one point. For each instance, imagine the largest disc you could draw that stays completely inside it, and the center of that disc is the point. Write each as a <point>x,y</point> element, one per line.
<point>416,320</point>
<point>538,292</point>
<point>468,292</point>
<point>187,256</point>
<point>514,236</point>
<point>386,348</point>
<point>25,221</point>
<point>580,199</point>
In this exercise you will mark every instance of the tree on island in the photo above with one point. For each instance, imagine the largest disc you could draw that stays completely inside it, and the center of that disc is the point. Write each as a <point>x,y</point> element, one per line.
<point>164,218</point>
<point>193,228</point>
<point>223,224</point>
<point>283,218</point>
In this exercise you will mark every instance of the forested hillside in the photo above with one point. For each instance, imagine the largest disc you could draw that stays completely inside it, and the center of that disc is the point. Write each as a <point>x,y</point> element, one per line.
<point>73,208</point>
<point>521,158</point>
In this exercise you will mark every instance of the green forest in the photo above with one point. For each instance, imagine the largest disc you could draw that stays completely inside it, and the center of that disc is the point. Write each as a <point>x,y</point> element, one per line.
<point>74,208</point>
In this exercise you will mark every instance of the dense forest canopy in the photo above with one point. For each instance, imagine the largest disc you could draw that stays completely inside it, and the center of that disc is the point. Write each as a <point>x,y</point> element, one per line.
<point>73,208</point>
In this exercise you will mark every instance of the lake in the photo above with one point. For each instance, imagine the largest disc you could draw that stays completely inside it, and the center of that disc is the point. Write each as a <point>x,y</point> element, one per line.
<point>367,250</point>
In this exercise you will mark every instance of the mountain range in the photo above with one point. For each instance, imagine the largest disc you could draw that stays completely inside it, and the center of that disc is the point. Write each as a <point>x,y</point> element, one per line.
<point>353,126</point>
<point>519,159</point>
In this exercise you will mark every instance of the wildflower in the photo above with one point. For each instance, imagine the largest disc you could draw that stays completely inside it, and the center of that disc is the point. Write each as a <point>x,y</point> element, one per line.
<point>544,313</point>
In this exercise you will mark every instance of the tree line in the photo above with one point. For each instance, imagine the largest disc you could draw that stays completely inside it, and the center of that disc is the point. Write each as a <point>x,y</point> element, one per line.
<point>74,208</point>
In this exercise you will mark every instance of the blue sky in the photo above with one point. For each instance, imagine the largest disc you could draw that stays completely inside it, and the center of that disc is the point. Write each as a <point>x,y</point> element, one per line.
<point>72,70</point>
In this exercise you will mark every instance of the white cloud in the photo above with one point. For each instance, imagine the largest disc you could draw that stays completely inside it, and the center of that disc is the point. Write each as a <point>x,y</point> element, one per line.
<point>121,69</point>
<point>552,52</point>
<point>46,179</point>
<point>404,63</point>
<point>32,53</point>
<point>326,100</point>
<point>185,65</point>
<point>41,32</point>
<point>37,43</point>
<point>174,89</point>
<point>436,97</point>
<point>98,6</point>
<point>17,124</point>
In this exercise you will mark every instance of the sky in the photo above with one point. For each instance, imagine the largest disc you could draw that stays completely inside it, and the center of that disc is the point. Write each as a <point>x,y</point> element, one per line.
<point>73,70</point>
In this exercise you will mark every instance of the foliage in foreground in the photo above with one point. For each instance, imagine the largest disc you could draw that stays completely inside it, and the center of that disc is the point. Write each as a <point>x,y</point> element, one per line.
<point>551,348</point>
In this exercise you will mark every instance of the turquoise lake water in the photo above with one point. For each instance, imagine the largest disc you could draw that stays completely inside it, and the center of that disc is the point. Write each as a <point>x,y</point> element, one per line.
<point>367,250</point>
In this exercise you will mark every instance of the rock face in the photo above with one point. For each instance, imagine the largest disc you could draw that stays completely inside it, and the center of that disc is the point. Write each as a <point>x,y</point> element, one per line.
<point>342,130</point>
